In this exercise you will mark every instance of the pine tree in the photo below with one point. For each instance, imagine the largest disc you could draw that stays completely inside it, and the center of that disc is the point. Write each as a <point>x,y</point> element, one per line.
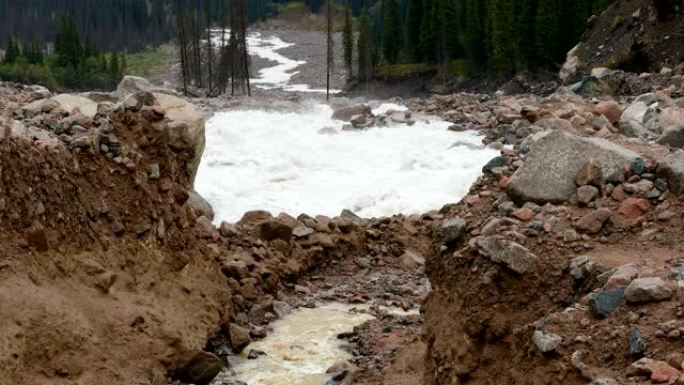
<point>527,48</point>
<point>474,33</point>
<point>391,37</point>
<point>114,68</point>
<point>414,19</point>
<point>348,42</point>
<point>503,36</point>
<point>330,62</point>
<point>12,51</point>
<point>365,47</point>
<point>427,30</point>
<point>446,32</point>
<point>547,31</point>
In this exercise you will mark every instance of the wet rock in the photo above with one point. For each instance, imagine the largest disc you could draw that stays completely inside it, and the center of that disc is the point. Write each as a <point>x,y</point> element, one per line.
<point>200,205</point>
<point>586,194</point>
<point>508,253</point>
<point>346,113</point>
<point>650,289</point>
<point>201,369</point>
<point>554,161</point>
<point>593,222</point>
<point>604,303</point>
<point>499,161</point>
<point>254,354</point>
<point>546,342</point>
<point>637,345</point>
<point>452,229</point>
<point>239,337</point>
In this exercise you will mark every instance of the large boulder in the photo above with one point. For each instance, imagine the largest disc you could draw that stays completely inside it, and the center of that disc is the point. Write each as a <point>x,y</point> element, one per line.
<point>185,128</point>
<point>555,159</point>
<point>346,113</point>
<point>133,84</point>
<point>72,104</point>
<point>573,66</point>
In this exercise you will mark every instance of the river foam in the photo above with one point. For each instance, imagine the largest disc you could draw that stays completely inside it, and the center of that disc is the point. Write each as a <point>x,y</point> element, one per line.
<point>283,162</point>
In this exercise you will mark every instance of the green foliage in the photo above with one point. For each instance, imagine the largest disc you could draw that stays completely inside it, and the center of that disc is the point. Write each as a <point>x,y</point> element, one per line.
<point>146,63</point>
<point>547,31</point>
<point>74,65</point>
<point>503,32</point>
<point>414,19</point>
<point>618,22</point>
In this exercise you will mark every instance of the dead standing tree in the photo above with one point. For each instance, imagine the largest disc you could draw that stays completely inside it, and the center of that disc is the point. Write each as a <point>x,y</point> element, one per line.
<point>331,58</point>
<point>239,57</point>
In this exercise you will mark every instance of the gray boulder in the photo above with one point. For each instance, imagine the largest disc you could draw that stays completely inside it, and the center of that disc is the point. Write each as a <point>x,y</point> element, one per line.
<point>346,113</point>
<point>554,161</point>
<point>672,169</point>
<point>133,84</point>
<point>200,205</point>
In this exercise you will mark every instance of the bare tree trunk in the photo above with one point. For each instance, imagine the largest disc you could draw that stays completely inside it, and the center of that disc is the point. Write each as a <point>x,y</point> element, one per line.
<point>183,44</point>
<point>210,56</point>
<point>330,59</point>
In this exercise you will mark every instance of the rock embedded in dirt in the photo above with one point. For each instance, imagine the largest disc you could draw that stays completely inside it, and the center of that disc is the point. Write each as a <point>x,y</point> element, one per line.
<point>546,342</point>
<point>200,205</point>
<point>412,260</point>
<point>593,222</point>
<point>586,194</point>
<point>610,109</point>
<point>555,159</point>
<point>637,345</point>
<point>499,161</point>
<point>506,252</point>
<point>452,229</point>
<point>201,369</point>
<point>605,302</point>
<point>239,337</point>
<point>228,229</point>
<point>673,136</point>
<point>622,277</point>
<point>272,229</point>
<point>650,289</point>
<point>37,237</point>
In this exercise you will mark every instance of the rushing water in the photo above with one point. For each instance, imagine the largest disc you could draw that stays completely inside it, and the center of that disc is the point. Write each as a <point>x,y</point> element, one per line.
<point>302,161</point>
<point>301,348</point>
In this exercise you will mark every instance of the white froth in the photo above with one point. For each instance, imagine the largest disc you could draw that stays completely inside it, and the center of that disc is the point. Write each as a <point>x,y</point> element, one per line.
<point>280,162</point>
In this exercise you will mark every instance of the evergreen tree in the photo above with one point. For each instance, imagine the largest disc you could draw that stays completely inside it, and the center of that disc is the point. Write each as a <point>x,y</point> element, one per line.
<point>427,30</point>
<point>446,32</point>
<point>348,41</point>
<point>527,48</point>
<point>365,47</point>
<point>474,33</point>
<point>68,47</point>
<point>391,37</point>
<point>114,68</point>
<point>12,51</point>
<point>547,31</point>
<point>414,19</point>
<point>502,12</point>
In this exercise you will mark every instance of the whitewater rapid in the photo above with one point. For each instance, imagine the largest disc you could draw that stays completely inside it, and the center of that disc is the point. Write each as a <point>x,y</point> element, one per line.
<point>281,162</point>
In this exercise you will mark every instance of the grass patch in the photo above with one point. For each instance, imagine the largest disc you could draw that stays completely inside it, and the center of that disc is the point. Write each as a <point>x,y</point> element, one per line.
<point>147,63</point>
<point>404,70</point>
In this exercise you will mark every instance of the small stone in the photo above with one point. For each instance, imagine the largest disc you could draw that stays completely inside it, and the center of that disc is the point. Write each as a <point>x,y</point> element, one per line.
<point>524,214</point>
<point>638,166</point>
<point>604,303</point>
<point>452,229</point>
<point>239,337</point>
<point>201,370</point>
<point>634,208</point>
<point>37,237</point>
<point>155,174</point>
<point>637,346</point>
<point>593,222</point>
<point>546,342</point>
<point>512,255</point>
<point>586,194</point>
<point>273,229</point>
<point>302,231</point>
<point>650,289</point>
<point>227,229</point>
<point>664,374</point>
<point>622,277</point>
<point>254,354</point>
<point>497,162</point>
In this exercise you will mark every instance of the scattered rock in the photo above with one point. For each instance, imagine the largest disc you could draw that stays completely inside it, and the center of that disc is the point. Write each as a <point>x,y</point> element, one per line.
<point>273,228</point>
<point>508,253</point>
<point>650,289</point>
<point>239,337</point>
<point>452,229</point>
<point>637,346</point>
<point>586,194</point>
<point>604,303</point>
<point>593,222</point>
<point>546,342</point>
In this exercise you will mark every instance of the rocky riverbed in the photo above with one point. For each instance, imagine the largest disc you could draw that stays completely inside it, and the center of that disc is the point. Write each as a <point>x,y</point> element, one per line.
<point>561,264</point>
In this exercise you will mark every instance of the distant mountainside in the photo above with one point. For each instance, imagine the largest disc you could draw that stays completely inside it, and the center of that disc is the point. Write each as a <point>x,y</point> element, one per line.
<point>631,35</point>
